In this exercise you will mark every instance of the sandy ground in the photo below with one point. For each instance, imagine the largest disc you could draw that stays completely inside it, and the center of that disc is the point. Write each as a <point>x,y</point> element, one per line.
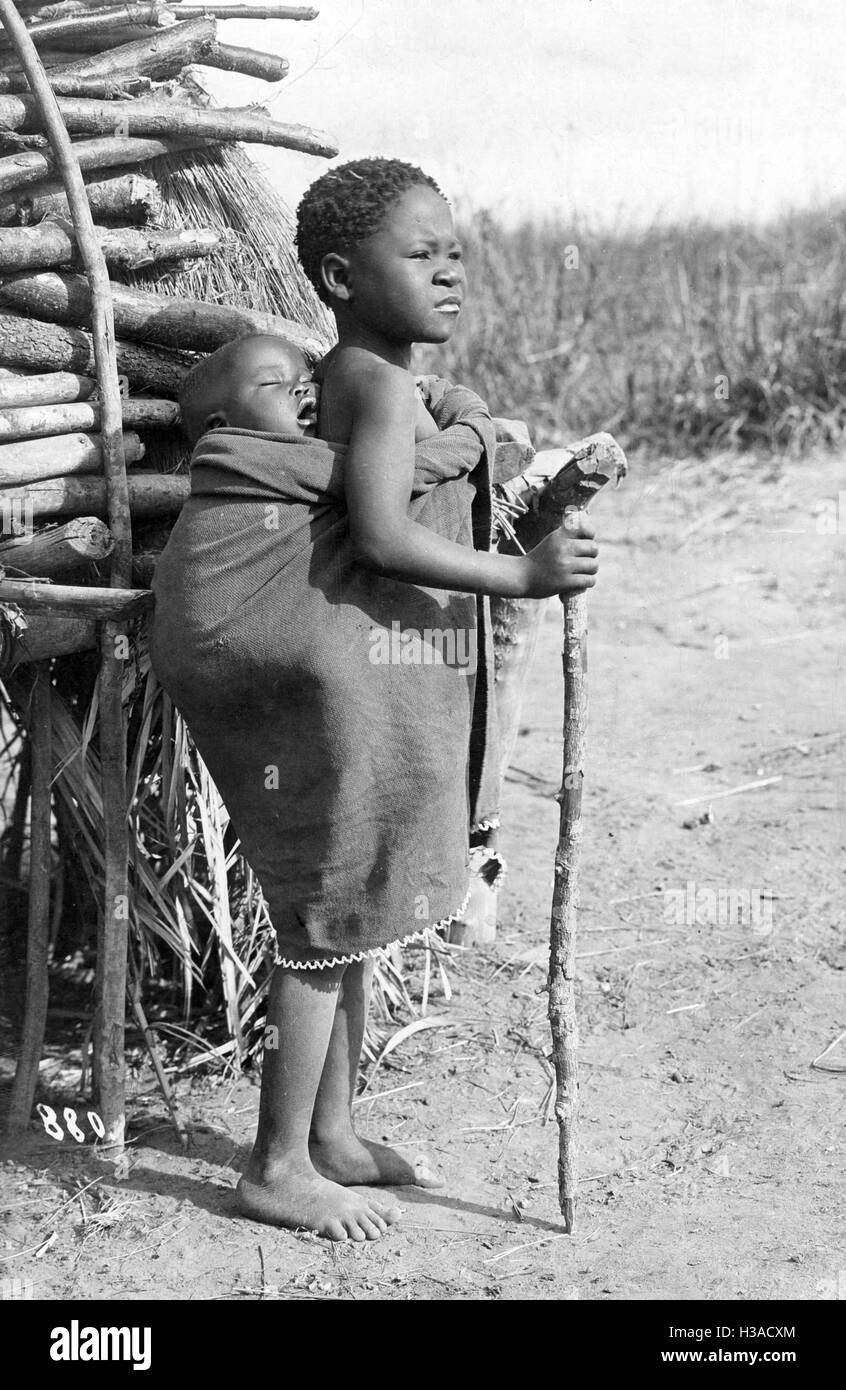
<point>709,1159</point>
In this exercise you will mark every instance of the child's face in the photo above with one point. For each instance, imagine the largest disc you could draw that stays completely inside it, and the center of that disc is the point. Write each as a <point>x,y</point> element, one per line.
<point>407,281</point>
<point>271,389</point>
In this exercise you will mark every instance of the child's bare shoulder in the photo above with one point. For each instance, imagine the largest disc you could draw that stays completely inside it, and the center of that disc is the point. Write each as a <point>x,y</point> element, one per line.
<point>357,387</point>
<point>355,368</point>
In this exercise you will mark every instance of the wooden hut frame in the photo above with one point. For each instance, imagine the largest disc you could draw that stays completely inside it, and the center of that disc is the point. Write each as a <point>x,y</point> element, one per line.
<point>130,132</point>
<point>111,956</point>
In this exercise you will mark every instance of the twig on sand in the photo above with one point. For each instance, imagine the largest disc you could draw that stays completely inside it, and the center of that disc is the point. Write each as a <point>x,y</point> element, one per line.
<point>391,1091</point>
<point>140,1250</point>
<point>612,950</point>
<point>612,1173</point>
<point>492,1129</point>
<point>431,1021</point>
<point>527,1245</point>
<point>749,1017</point>
<point>48,1220</point>
<point>832,1045</point>
<point>31,1250</point>
<point>731,791</point>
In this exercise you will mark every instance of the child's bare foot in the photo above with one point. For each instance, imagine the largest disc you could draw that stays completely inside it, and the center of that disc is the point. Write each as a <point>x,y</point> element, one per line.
<point>350,1160</point>
<point>294,1195</point>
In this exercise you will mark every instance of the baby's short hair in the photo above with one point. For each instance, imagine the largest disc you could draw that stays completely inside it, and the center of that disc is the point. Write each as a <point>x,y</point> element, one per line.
<point>346,205</point>
<point>204,387</point>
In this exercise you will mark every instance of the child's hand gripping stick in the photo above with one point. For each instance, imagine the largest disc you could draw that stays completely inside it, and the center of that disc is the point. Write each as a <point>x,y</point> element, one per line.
<point>546,501</point>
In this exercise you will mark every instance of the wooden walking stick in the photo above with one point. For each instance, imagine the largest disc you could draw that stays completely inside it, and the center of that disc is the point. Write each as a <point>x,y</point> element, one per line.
<point>597,459</point>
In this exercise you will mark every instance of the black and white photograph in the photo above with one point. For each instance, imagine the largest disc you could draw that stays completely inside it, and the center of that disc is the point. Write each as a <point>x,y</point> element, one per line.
<point>422,549</point>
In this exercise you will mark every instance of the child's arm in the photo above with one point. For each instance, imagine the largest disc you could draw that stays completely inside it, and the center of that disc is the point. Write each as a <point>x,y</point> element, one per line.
<point>378,477</point>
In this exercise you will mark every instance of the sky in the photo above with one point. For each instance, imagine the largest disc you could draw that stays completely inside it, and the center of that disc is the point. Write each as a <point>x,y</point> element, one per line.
<point>620,112</point>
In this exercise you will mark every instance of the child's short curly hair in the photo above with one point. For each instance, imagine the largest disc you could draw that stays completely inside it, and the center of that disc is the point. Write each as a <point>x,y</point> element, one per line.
<point>346,205</point>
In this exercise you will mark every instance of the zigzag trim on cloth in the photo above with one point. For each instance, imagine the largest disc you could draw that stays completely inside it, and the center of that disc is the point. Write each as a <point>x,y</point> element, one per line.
<point>489,823</point>
<point>376,950</point>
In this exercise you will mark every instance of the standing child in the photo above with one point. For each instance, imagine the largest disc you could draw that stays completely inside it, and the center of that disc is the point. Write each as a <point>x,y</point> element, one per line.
<point>342,757</point>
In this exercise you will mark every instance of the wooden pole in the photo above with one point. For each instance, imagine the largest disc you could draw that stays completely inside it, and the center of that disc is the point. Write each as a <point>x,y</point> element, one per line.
<point>150,494</point>
<point>38,923</point>
<point>31,166</point>
<point>111,955</point>
<point>46,635</point>
<point>158,117</point>
<point>249,11</point>
<point>37,11</point>
<point>598,460</point>
<point>562,954</point>
<point>124,198</point>
<point>75,44</point>
<point>44,421</point>
<point>59,456</point>
<point>48,388</point>
<point>74,600</point>
<point>69,84</point>
<point>36,346</point>
<point>161,55</point>
<point>57,549</point>
<point>142,315</point>
<point>102,21</point>
<point>125,248</point>
<point>49,56</point>
<point>268,67</point>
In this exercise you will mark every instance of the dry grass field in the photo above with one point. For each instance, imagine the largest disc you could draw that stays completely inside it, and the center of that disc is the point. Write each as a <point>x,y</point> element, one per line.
<point>674,338</point>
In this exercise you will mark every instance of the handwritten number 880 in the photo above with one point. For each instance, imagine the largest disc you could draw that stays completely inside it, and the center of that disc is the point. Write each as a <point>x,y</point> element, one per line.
<point>50,1121</point>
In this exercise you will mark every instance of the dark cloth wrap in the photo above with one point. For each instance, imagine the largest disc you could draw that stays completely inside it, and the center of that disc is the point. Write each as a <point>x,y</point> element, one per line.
<point>349,780</point>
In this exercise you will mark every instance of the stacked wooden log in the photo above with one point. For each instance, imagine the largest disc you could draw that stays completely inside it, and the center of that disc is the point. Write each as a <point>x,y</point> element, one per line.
<point>126,98</point>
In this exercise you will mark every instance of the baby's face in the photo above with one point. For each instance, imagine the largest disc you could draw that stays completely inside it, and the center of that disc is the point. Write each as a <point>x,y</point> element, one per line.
<point>271,389</point>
